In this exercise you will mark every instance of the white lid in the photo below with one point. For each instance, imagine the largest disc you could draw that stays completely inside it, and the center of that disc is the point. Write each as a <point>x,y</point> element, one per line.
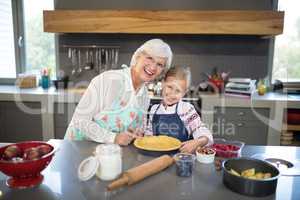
<point>88,168</point>
<point>107,149</point>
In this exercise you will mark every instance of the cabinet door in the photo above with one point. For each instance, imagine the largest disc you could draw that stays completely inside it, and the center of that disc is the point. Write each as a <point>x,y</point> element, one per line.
<point>241,124</point>
<point>21,125</point>
<point>63,113</point>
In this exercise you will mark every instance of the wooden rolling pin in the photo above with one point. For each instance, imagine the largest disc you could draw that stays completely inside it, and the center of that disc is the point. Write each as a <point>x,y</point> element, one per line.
<point>138,173</point>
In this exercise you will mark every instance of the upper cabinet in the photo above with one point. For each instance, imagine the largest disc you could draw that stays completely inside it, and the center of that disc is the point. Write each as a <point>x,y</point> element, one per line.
<point>230,22</point>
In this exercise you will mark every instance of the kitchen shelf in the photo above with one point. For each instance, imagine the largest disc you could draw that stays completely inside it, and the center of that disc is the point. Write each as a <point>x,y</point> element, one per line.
<point>290,127</point>
<point>230,22</point>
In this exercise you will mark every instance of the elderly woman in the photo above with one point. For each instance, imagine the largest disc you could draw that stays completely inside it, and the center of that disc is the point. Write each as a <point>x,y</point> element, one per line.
<point>114,105</point>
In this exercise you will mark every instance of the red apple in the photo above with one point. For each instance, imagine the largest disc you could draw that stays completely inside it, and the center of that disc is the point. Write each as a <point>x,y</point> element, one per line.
<point>44,149</point>
<point>11,152</point>
<point>31,154</point>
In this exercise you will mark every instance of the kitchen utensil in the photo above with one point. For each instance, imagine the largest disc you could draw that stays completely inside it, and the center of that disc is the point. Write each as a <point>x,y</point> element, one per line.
<point>69,53</point>
<point>157,145</point>
<point>112,58</point>
<point>116,57</point>
<point>247,186</point>
<point>96,61</point>
<point>73,61</point>
<point>138,173</point>
<point>87,60</point>
<point>106,60</point>
<point>25,173</point>
<point>79,70</point>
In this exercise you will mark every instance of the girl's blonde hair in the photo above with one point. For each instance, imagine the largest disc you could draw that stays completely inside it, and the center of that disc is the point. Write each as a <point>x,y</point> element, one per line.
<point>181,73</point>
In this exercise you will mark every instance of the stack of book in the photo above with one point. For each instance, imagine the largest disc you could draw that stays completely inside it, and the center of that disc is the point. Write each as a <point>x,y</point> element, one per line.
<point>241,87</point>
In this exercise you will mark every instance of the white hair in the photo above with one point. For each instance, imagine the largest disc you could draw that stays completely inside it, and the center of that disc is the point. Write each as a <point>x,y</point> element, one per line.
<point>154,47</point>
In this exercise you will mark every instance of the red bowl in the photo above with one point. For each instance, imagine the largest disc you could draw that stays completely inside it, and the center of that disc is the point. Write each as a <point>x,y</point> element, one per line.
<point>25,173</point>
<point>227,149</point>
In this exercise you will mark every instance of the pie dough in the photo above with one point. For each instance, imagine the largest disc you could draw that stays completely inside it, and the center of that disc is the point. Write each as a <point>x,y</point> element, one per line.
<point>157,143</point>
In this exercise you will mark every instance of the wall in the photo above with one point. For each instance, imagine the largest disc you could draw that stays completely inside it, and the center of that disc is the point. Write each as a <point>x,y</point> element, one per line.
<point>243,56</point>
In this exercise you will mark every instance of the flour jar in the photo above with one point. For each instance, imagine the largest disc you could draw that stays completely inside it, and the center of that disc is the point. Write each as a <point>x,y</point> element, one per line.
<point>109,157</point>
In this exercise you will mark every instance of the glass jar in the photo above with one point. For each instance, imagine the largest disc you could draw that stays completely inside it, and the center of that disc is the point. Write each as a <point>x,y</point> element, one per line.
<point>184,164</point>
<point>109,157</point>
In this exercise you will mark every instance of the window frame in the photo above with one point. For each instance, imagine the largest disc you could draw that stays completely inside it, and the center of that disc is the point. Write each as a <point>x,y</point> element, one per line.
<point>19,41</point>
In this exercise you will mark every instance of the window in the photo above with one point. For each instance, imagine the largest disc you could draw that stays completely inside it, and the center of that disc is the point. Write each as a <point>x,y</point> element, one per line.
<point>286,64</point>
<point>39,46</point>
<point>24,46</point>
<point>7,48</point>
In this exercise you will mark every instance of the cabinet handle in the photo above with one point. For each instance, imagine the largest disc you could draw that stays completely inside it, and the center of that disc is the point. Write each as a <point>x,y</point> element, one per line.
<point>240,124</point>
<point>241,113</point>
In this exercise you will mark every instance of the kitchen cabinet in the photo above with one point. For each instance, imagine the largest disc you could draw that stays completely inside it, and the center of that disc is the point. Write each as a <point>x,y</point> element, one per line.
<point>1,120</point>
<point>237,123</point>
<point>232,22</point>
<point>63,113</point>
<point>18,125</point>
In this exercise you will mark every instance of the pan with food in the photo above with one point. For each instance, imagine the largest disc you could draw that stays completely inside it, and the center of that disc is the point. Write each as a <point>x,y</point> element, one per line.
<point>250,176</point>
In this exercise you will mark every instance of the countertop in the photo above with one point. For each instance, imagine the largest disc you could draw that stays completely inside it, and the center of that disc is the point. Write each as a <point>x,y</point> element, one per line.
<point>11,91</point>
<point>61,182</point>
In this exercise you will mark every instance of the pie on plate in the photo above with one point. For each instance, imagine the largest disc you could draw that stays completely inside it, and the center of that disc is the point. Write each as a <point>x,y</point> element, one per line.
<point>157,143</point>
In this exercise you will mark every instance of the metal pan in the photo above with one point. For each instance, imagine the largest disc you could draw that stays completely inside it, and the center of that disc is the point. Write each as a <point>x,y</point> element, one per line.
<point>156,153</point>
<point>246,186</point>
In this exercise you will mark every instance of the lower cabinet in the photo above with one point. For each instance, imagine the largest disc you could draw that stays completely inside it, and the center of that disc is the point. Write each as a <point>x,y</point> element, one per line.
<point>63,113</point>
<point>20,123</point>
<point>243,124</point>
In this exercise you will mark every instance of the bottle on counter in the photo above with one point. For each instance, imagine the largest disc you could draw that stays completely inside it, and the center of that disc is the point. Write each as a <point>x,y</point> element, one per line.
<point>261,87</point>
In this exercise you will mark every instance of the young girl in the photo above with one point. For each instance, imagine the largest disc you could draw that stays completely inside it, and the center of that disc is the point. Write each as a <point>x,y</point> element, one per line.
<point>176,118</point>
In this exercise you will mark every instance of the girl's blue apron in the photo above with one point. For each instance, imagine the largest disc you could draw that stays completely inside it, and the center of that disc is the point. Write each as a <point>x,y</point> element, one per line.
<point>170,125</point>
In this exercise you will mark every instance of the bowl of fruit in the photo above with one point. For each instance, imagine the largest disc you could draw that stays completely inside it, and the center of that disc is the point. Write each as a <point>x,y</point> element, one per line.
<point>205,154</point>
<point>23,162</point>
<point>227,149</point>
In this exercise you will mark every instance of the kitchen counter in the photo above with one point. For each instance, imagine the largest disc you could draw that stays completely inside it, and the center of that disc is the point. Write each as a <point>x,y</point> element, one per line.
<point>8,92</point>
<point>61,182</point>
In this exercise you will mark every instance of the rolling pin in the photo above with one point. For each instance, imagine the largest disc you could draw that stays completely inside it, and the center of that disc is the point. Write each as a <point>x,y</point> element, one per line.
<point>140,172</point>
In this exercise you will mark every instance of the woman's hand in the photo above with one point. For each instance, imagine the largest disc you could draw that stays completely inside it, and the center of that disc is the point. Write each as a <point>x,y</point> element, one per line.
<point>139,132</point>
<point>124,138</point>
<point>127,137</point>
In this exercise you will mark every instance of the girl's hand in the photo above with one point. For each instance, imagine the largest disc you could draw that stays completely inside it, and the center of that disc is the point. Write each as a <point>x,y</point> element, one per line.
<point>189,146</point>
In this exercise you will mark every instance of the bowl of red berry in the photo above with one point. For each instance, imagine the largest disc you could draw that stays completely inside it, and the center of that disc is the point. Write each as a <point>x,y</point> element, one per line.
<point>23,162</point>
<point>227,149</point>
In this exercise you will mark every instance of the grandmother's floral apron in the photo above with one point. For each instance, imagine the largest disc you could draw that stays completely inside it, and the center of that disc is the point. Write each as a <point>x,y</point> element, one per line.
<point>118,118</point>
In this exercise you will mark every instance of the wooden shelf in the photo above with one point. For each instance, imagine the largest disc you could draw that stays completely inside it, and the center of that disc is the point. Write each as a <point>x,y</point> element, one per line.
<point>231,22</point>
